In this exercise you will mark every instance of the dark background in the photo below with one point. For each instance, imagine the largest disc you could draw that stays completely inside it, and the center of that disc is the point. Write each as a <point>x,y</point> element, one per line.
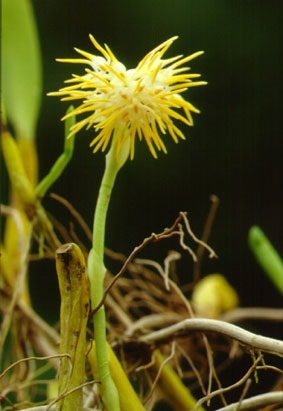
<point>233,151</point>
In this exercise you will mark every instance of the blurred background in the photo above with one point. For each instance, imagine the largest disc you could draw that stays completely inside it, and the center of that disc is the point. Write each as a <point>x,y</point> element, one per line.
<point>233,151</point>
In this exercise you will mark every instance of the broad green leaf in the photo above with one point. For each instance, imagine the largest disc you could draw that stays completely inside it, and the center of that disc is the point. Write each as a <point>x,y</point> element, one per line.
<point>21,67</point>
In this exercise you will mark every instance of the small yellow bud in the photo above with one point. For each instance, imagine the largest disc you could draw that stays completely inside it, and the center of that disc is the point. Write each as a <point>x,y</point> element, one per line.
<point>213,295</point>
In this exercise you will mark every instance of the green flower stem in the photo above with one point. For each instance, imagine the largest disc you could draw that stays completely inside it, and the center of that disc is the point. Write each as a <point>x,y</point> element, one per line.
<point>267,256</point>
<point>96,271</point>
<point>60,164</point>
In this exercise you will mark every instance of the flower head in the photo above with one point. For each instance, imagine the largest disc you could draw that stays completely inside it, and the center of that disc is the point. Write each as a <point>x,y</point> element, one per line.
<point>124,104</point>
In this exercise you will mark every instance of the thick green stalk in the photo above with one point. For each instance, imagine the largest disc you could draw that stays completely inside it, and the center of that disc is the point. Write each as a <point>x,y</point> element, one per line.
<point>96,271</point>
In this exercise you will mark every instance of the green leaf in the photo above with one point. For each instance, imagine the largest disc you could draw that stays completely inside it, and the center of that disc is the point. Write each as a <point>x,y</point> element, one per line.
<point>266,256</point>
<point>21,67</point>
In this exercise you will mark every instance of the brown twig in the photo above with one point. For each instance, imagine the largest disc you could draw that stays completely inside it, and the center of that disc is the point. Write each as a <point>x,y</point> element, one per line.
<point>65,394</point>
<point>159,373</point>
<point>244,393</point>
<point>197,240</point>
<point>168,232</point>
<point>49,357</point>
<point>269,367</point>
<point>193,367</point>
<point>205,235</point>
<point>74,213</point>
<point>232,386</point>
<point>164,272</point>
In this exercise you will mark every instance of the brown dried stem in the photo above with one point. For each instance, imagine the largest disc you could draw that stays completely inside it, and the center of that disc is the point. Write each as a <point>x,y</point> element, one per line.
<point>232,386</point>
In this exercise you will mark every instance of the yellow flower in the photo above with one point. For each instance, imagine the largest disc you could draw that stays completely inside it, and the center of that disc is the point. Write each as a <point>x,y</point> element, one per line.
<point>124,104</point>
